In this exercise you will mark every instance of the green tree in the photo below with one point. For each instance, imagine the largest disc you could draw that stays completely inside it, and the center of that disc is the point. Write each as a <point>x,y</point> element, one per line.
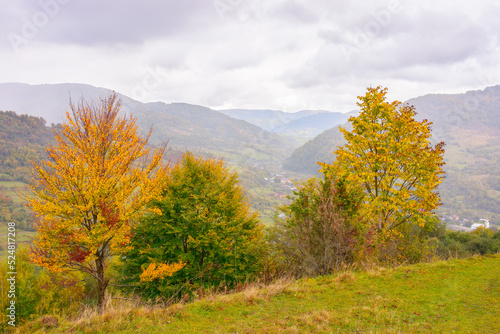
<point>204,223</point>
<point>390,154</point>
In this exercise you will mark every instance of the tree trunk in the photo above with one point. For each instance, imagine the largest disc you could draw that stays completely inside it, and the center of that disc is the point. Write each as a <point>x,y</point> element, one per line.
<point>102,283</point>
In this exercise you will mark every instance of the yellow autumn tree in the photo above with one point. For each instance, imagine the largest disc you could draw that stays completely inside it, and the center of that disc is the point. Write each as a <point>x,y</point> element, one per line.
<point>391,156</point>
<point>96,181</point>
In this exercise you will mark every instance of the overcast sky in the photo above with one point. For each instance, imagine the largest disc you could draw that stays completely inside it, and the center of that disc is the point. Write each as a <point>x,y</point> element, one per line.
<point>273,54</point>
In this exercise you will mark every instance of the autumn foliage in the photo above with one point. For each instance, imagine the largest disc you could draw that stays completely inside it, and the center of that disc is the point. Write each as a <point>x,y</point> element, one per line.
<point>181,230</point>
<point>94,184</point>
<point>390,154</point>
<point>160,271</point>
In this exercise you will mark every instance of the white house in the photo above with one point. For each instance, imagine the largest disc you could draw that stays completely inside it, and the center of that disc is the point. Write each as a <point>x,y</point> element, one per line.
<point>486,224</point>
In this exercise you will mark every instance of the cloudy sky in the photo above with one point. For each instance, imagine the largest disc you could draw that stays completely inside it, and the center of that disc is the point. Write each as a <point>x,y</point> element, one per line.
<point>273,54</point>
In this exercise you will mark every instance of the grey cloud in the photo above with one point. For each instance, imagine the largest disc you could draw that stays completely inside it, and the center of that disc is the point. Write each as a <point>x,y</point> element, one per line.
<point>429,37</point>
<point>326,67</point>
<point>332,35</point>
<point>441,41</point>
<point>492,15</point>
<point>249,52</point>
<point>127,21</point>
<point>296,12</point>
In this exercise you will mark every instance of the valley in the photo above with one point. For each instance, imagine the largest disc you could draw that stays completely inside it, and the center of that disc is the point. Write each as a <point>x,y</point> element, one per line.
<point>260,144</point>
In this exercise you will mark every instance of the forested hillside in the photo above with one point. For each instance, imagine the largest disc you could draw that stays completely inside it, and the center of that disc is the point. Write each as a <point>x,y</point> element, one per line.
<point>22,138</point>
<point>305,158</point>
<point>198,128</point>
<point>468,123</point>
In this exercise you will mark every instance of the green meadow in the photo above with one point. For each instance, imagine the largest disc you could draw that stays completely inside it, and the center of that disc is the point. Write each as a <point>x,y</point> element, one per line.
<point>455,296</point>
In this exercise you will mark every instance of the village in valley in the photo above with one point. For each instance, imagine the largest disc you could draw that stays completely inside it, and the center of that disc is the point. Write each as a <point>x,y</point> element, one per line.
<point>281,183</point>
<point>466,225</point>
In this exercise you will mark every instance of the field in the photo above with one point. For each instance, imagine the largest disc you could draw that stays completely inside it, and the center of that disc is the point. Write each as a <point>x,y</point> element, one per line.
<point>21,237</point>
<point>456,296</point>
<point>9,188</point>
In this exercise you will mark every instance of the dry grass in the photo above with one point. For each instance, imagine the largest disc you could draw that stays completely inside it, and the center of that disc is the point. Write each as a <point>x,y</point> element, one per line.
<point>120,311</point>
<point>254,293</point>
<point>345,277</point>
<point>118,314</point>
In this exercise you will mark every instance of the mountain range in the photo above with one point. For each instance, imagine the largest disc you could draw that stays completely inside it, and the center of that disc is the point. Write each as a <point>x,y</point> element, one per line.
<point>302,125</point>
<point>468,123</point>
<point>236,135</point>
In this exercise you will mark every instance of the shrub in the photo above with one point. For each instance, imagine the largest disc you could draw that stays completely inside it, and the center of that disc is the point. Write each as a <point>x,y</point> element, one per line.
<point>39,292</point>
<point>461,244</point>
<point>320,230</point>
<point>202,221</point>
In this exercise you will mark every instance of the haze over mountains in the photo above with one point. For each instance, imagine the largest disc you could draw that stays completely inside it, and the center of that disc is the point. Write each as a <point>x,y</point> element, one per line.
<point>241,138</point>
<point>468,123</point>
<point>304,124</point>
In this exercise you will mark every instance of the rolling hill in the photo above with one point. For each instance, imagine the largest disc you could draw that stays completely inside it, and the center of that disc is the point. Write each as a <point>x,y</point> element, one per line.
<point>456,296</point>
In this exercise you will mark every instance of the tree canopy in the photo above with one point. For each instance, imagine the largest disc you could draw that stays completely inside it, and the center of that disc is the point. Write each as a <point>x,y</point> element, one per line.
<point>95,183</point>
<point>391,155</point>
<point>205,223</point>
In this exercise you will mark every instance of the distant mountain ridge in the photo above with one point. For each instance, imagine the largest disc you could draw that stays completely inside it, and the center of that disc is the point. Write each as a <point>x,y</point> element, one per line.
<point>49,101</point>
<point>304,124</point>
<point>200,128</point>
<point>183,125</point>
<point>186,124</point>
<point>312,125</point>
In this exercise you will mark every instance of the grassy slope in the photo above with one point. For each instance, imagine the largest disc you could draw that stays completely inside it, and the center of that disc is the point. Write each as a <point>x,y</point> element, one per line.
<point>458,296</point>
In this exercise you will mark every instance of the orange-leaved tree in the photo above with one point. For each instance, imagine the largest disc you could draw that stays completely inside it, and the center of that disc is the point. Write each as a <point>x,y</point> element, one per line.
<point>96,181</point>
<point>391,156</point>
